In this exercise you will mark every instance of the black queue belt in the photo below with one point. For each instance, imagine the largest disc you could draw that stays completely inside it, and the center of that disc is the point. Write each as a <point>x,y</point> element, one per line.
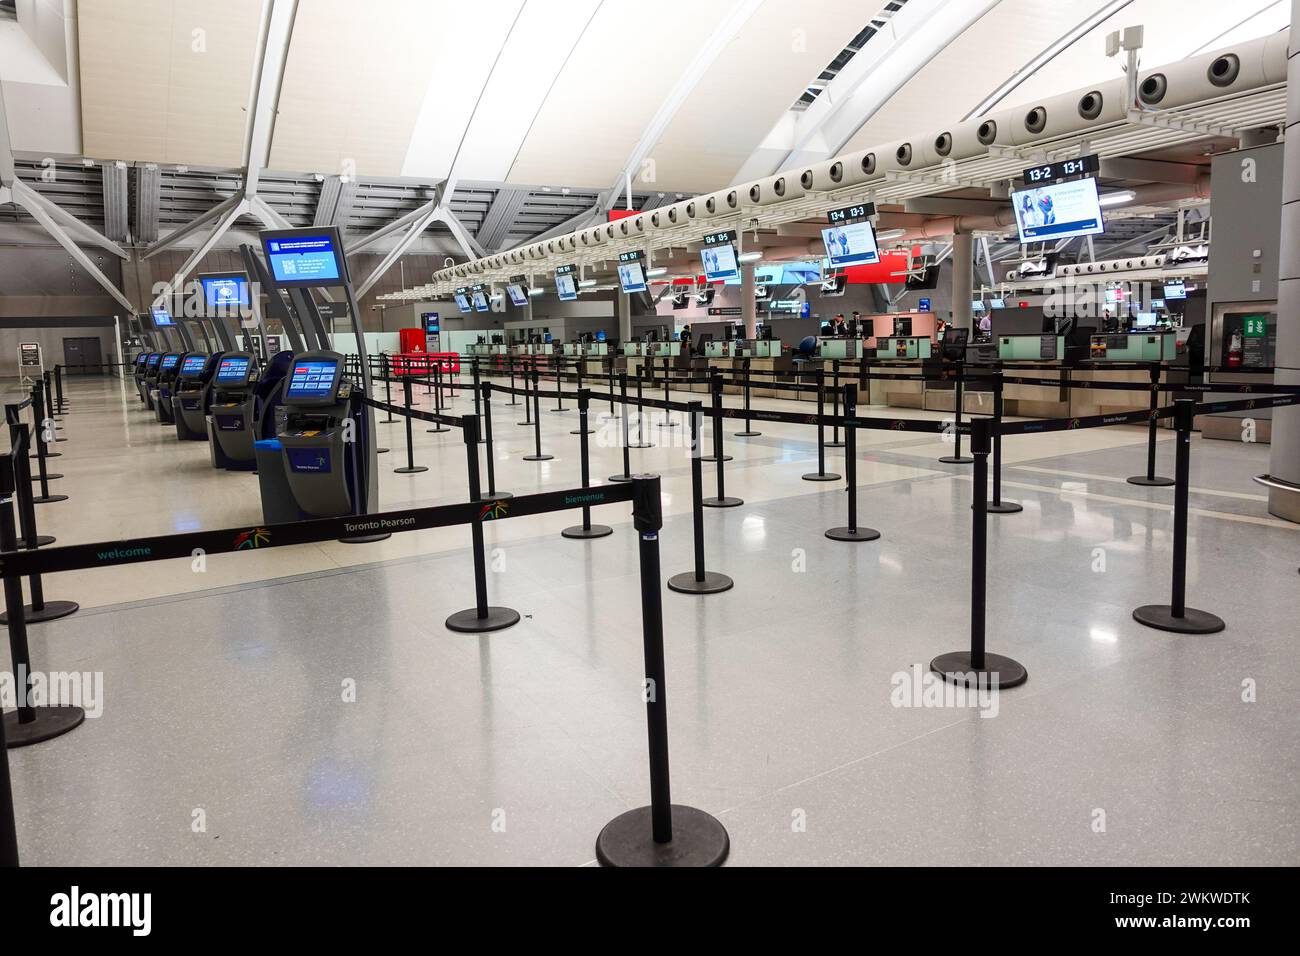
<point>451,420</point>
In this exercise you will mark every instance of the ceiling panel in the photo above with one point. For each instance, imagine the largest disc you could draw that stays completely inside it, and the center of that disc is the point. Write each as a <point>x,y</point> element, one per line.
<point>613,84</point>
<point>355,82</point>
<point>166,81</point>
<point>782,49</point>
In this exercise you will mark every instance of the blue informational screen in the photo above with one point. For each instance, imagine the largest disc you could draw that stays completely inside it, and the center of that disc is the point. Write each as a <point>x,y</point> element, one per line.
<point>141,358</point>
<point>314,460</point>
<point>311,379</point>
<point>153,359</point>
<point>162,318</point>
<point>720,262</point>
<point>853,244</point>
<point>193,365</point>
<point>1175,290</point>
<point>304,259</point>
<point>1058,211</point>
<point>232,370</point>
<point>224,293</point>
<point>600,335</point>
<point>169,361</point>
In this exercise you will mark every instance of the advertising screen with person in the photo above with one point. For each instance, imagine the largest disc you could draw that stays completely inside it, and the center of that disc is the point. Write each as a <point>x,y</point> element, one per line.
<point>853,244</point>
<point>630,277</point>
<point>462,302</point>
<point>1059,211</point>
<point>566,287</point>
<point>720,262</point>
<point>517,295</point>
<point>480,302</point>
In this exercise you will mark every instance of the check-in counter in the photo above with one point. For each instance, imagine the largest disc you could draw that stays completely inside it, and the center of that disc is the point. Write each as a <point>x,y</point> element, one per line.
<point>1021,357</point>
<point>839,348</point>
<point>899,355</point>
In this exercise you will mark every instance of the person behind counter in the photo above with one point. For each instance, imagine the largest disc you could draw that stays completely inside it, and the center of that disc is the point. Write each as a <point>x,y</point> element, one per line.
<point>837,325</point>
<point>685,337</point>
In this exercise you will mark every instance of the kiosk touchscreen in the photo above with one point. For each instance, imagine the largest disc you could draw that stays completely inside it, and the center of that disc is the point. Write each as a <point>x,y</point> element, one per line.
<point>320,466</point>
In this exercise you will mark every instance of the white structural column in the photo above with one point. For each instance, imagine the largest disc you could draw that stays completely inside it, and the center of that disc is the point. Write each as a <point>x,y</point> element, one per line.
<point>1284,454</point>
<point>963,261</point>
<point>624,318</point>
<point>748,305</point>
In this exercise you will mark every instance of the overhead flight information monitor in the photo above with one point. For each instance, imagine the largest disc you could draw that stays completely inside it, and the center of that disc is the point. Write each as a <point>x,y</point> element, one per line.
<point>719,256</point>
<point>853,244</point>
<point>193,365</point>
<point>1059,211</point>
<point>162,318</point>
<point>312,379</point>
<point>225,291</point>
<point>233,369</point>
<point>305,258</point>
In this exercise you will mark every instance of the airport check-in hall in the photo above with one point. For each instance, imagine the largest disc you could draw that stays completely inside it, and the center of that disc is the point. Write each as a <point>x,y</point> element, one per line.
<point>835,433</point>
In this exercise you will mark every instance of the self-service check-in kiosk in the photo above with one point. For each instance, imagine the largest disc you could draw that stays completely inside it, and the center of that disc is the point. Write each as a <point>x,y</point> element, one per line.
<point>190,399</point>
<point>232,415</point>
<point>141,361</point>
<point>149,381</point>
<point>164,384</point>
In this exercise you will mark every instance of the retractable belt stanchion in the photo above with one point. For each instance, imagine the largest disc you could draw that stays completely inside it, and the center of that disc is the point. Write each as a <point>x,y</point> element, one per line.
<point>537,422</point>
<point>821,474</point>
<point>528,404</point>
<point>40,609</point>
<point>668,421</point>
<point>715,417</point>
<point>956,458</point>
<point>852,532</point>
<point>388,392</point>
<point>627,456</point>
<point>663,833</point>
<point>411,468</point>
<point>488,451</point>
<point>749,424</point>
<point>49,403</point>
<point>720,500</point>
<point>835,406</point>
<point>640,414</point>
<point>436,378</point>
<point>510,367</point>
<point>609,369</point>
<point>1151,479</point>
<point>23,471</point>
<point>8,827</point>
<point>430,383</point>
<point>976,667</point>
<point>698,580</point>
<point>559,385</point>
<point>60,405</point>
<point>481,617</point>
<point>29,724</point>
<point>478,388</point>
<point>997,506</point>
<point>38,428</point>
<point>584,425</point>
<point>586,529</point>
<point>1177,616</point>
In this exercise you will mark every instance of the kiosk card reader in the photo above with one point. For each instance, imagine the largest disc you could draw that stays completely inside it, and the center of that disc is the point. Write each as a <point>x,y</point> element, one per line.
<point>233,413</point>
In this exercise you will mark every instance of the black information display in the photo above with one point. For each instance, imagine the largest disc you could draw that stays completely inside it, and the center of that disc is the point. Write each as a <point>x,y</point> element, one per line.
<point>565,270</point>
<point>858,213</point>
<point>726,310</point>
<point>635,255</point>
<point>1050,172</point>
<point>718,238</point>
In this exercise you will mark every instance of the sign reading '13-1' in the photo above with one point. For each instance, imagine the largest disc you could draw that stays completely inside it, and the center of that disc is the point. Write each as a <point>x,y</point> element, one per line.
<point>1050,172</point>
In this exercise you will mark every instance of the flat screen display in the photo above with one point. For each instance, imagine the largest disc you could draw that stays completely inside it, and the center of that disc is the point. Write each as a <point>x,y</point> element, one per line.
<point>853,244</point>
<point>193,365</point>
<point>162,318</point>
<point>517,295</point>
<point>462,302</point>
<point>153,359</point>
<point>600,335</point>
<point>1145,320</point>
<point>141,358</point>
<point>1058,211</point>
<point>719,262</point>
<point>480,302</point>
<point>169,361</point>
<point>224,292</point>
<point>304,260</point>
<point>432,323</point>
<point>1175,290</point>
<point>998,303</point>
<point>631,277</point>
<point>977,305</point>
<point>566,287</point>
<point>232,369</point>
<point>312,379</point>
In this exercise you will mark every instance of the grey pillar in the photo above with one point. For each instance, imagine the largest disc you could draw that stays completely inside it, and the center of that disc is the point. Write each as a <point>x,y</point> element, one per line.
<point>624,318</point>
<point>748,305</point>
<point>1284,455</point>
<point>963,260</point>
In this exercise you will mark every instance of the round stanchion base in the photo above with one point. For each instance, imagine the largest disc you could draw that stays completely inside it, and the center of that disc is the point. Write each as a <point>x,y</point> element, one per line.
<point>468,621</point>
<point>1161,617</point>
<point>835,444</point>
<point>48,499</point>
<point>640,444</point>
<point>620,478</point>
<point>714,583</point>
<point>64,439</point>
<point>496,496</point>
<point>528,423</point>
<point>998,671</point>
<point>727,502</point>
<point>713,459</point>
<point>388,421</point>
<point>821,476</point>
<point>1004,508</point>
<point>48,454</point>
<point>412,470</point>
<point>578,431</point>
<point>365,538</point>
<point>382,451</point>
<point>437,431</point>
<point>746,434</point>
<point>595,531</point>
<point>43,539</point>
<point>1156,482</point>
<point>538,457</point>
<point>667,424</point>
<point>628,840</point>
<point>52,611</point>
<point>50,722</point>
<point>853,534</point>
<point>957,460</point>
<point>48,477</point>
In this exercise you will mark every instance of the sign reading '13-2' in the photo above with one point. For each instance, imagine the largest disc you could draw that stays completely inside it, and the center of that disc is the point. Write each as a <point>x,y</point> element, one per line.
<point>1050,172</point>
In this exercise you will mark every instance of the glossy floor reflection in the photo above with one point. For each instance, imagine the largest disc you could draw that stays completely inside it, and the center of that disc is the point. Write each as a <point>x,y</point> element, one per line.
<point>308,706</point>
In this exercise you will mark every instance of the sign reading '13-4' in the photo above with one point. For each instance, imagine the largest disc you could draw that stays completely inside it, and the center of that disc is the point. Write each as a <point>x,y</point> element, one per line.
<point>858,213</point>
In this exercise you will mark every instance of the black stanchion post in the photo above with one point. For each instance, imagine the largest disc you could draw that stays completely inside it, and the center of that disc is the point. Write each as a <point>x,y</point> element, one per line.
<point>835,406</point>
<point>51,411</point>
<point>489,455</point>
<point>669,421</point>
<point>663,833</point>
<point>609,368</point>
<point>749,424</point>
<point>1151,479</point>
<point>977,667</point>
<point>388,393</point>
<point>852,532</point>
<point>528,405</point>
<point>586,529</point>
<point>38,427</point>
<point>510,367</point>
<point>40,609</point>
<point>821,474</point>
<point>640,413</point>
<point>478,387</point>
<point>436,378</point>
<point>584,425</point>
<point>956,458</point>
<point>411,467</point>
<point>537,422</point>
<point>29,724</point>
<point>60,406</point>
<point>627,455</point>
<point>997,506</point>
<point>698,580</point>
<point>481,617</point>
<point>1176,616</point>
<point>720,500</point>
<point>559,385</point>
<point>8,827</point>
<point>19,438</point>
